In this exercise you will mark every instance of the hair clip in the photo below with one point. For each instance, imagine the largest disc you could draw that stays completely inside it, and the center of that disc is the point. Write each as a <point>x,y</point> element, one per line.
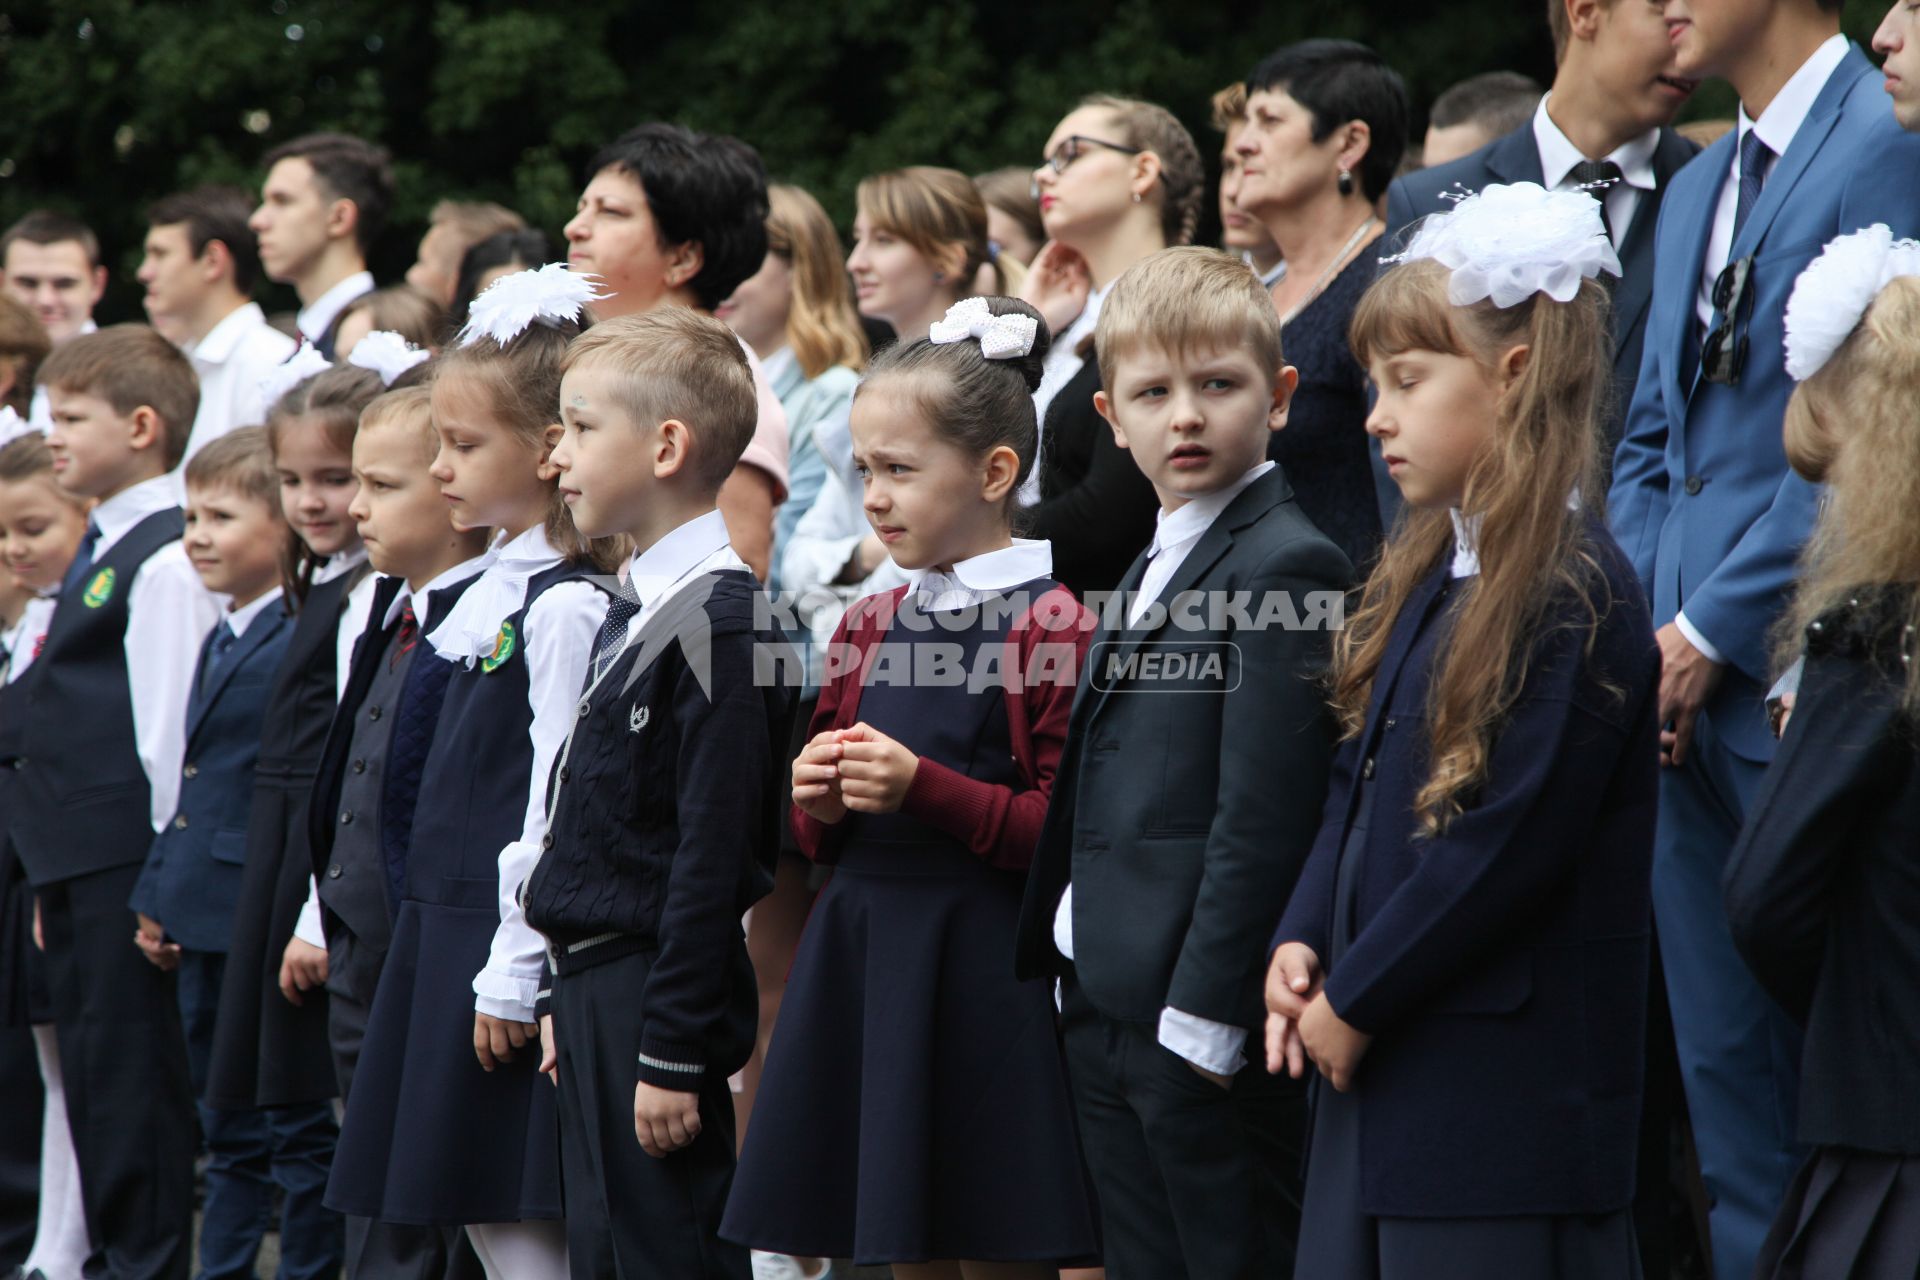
<point>1004,337</point>
<point>291,372</point>
<point>386,353</point>
<point>550,295</point>
<point>1836,288</point>
<point>1506,243</point>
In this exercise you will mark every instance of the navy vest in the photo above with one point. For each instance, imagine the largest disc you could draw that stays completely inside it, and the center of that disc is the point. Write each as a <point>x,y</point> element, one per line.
<point>81,802</point>
<point>191,883</point>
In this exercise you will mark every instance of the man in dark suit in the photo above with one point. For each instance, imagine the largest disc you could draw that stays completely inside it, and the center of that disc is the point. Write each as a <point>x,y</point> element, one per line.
<point>1190,789</point>
<point>1605,120</point>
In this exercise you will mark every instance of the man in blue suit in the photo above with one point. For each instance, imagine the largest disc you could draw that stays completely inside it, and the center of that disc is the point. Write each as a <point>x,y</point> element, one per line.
<point>1704,503</point>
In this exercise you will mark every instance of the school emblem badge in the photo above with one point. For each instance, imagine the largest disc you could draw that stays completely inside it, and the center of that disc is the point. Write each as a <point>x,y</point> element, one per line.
<point>638,717</point>
<point>503,646</point>
<point>99,589</point>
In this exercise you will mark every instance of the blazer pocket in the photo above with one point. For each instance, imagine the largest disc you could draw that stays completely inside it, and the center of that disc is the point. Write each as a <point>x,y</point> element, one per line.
<point>1499,986</point>
<point>229,846</point>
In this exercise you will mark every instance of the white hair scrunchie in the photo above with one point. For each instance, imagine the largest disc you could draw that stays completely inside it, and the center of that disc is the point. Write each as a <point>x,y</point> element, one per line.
<point>550,295</point>
<point>386,353</point>
<point>1836,288</point>
<point>1506,243</point>
<point>291,372</point>
<point>1001,337</point>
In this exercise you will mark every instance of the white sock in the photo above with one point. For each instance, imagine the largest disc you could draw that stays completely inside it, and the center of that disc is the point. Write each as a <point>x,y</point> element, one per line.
<point>521,1250</point>
<point>60,1244</point>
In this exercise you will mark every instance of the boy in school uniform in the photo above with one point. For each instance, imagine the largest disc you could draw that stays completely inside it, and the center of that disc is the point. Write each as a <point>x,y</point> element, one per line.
<point>1190,791</point>
<point>370,767</point>
<point>187,894</point>
<point>322,207</point>
<point>99,777</point>
<point>667,806</point>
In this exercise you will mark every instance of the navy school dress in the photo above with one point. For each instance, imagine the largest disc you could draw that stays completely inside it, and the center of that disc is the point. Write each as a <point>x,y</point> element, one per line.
<point>429,1137</point>
<point>914,1105</point>
<point>268,1051</point>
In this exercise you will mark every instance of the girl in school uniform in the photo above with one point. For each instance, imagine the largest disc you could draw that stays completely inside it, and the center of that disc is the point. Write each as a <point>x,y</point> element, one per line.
<point>41,527</point>
<point>449,1122</point>
<point>1822,891</point>
<point>270,1043</point>
<point>914,1108</point>
<point>1464,959</point>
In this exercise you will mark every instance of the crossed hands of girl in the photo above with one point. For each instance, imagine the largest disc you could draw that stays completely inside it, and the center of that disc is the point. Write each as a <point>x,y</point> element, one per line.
<point>1302,1026</point>
<point>858,769</point>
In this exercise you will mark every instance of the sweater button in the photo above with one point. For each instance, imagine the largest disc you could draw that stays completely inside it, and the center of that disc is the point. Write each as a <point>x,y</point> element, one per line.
<point>565,773</point>
<point>180,822</point>
<point>373,712</point>
<point>359,766</point>
<point>585,707</point>
<point>333,872</point>
<point>546,841</point>
<point>191,771</point>
<point>346,817</point>
<point>1391,722</point>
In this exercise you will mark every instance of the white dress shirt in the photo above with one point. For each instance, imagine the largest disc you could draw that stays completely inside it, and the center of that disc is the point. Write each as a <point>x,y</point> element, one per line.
<point>231,360</point>
<point>1558,156</point>
<point>40,408</point>
<point>1056,371</point>
<point>169,612</point>
<point>561,627</point>
<point>968,582</point>
<point>663,570</point>
<point>24,638</point>
<point>318,316</point>
<point>1466,544</point>
<point>353,612</point>
<point>1777,127</point>
<point>239,619</point>
<point>1216,1046</point>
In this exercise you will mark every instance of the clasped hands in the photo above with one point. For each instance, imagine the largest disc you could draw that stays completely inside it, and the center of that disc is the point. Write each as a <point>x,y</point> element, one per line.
<point>1302,1026</point>
<point>858,769</point>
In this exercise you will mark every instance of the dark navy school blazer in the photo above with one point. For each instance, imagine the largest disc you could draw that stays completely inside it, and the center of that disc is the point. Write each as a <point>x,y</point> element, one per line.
<point>1501,967</point>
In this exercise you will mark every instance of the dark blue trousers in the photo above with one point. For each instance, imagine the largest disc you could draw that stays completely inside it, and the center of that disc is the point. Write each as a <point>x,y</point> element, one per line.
<point>251,1151</point>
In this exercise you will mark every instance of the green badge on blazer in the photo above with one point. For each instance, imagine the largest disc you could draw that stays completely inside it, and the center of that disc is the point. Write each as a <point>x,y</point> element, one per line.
<point>503,646</point>
<point>99,589</point>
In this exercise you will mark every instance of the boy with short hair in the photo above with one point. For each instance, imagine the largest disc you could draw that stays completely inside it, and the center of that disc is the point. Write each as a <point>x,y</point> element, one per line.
<point>102,752</point>
<point>323,205</point>
<point>187,894</point>
<point>199,269</point>
<point>1189,793</point>
<point>667,805</point>
<point>51,263</point>
<point>454,227</point>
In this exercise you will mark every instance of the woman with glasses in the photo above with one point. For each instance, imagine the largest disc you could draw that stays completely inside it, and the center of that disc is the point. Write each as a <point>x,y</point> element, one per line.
<point>1325,128</point>
<point>1120,179</point>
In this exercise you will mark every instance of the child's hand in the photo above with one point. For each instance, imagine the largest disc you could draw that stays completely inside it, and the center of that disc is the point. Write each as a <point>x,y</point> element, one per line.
<point>1293,979</point>
<point>495,1039</point>
<point>816,779</point>
<point>1335,1046</point>
<point>663,1119</point>
<point>303,967</point>
<point>549,1053</point>
<point>153,944</point>
<point>875,771</point>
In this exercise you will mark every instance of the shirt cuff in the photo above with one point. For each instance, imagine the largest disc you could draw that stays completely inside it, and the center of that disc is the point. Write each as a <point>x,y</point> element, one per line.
<point>308,928</point>
<point>501,995</point>
<point>1698,641</point>
<point>1214,1046</point>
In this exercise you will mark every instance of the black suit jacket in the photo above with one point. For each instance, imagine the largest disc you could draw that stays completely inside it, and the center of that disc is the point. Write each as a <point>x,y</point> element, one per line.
<point>1822,891</point>
<point>1184,806</point>
<point>1516,158</point>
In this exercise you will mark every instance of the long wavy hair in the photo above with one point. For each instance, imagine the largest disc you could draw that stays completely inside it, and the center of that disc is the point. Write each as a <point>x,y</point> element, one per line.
<point>1536,547</point>
<point>823,328</point>
<point>1850,426</point>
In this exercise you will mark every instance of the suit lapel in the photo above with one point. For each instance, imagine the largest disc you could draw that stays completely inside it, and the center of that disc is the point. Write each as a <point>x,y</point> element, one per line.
<point>1806,144</point>
<point>1516,157</point>
<point>263,629</point>
<point>1635,289</point>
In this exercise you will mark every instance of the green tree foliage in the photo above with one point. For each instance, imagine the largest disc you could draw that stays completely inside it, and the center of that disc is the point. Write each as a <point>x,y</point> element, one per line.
<point>110,104</point>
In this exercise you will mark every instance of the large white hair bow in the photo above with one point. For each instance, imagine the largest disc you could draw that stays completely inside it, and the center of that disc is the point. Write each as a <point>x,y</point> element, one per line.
<point>291,372</point>
<point>551,295</point>
<point>1001,337</point>
<point>1507,243</point>
<point>1835,290</point>
<point>13,426</point>
<point>387,354</point>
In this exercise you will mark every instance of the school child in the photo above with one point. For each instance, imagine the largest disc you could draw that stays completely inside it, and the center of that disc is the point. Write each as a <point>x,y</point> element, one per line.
<point>914,1108</point>
<point>668,778</point>
<point>1187,797</point>
<point>270,1041</point>
<point>41,526</point>
<point>449,1123</point>
<point>369,772</point>
<point>96,776</point>
<point>1820,890</point>
<point>188,891</point>
<point>1464,959</point>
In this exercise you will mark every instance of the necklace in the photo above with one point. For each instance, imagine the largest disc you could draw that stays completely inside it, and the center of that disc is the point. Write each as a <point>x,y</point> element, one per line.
<point>1339,260</point>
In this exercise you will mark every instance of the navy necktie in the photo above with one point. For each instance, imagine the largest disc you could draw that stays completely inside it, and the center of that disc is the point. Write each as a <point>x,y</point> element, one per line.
<point>82,560</point>
<point>1599,177</point>
<point>1755,157</point>
<point>613,631</point>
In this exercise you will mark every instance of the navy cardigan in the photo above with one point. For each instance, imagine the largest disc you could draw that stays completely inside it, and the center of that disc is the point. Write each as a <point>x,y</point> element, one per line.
<point>1501,967</point>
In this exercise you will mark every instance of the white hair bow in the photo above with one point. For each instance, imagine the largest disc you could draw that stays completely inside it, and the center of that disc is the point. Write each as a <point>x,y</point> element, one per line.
<point>550,295</point>
<point>1507,243</point>
<point>1835,290</point>
<point>1001,337</point>
<point>291,372</point>
<point>13,426</point>
<point>387,354</point>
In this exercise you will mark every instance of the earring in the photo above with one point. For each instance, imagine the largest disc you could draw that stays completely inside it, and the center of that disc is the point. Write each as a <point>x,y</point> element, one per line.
<point>1136,197</point>
<point>939,277</point>
<point>1345,183</point>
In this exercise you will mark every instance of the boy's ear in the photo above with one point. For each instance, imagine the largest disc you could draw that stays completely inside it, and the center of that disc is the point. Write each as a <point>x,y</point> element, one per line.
<point>1285,383</point>
<point>1104,407</point>
<point>1002,474</point>
<point>672,448</point>
<point>99,285</point>
<point>1583,18</point>
<point>343,216</point>
<point>215,261</point>
<point>549,437</point>
<point>145,429</point>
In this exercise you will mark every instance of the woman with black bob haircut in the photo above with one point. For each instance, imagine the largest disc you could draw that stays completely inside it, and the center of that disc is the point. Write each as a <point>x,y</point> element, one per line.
<point>500,254</point>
